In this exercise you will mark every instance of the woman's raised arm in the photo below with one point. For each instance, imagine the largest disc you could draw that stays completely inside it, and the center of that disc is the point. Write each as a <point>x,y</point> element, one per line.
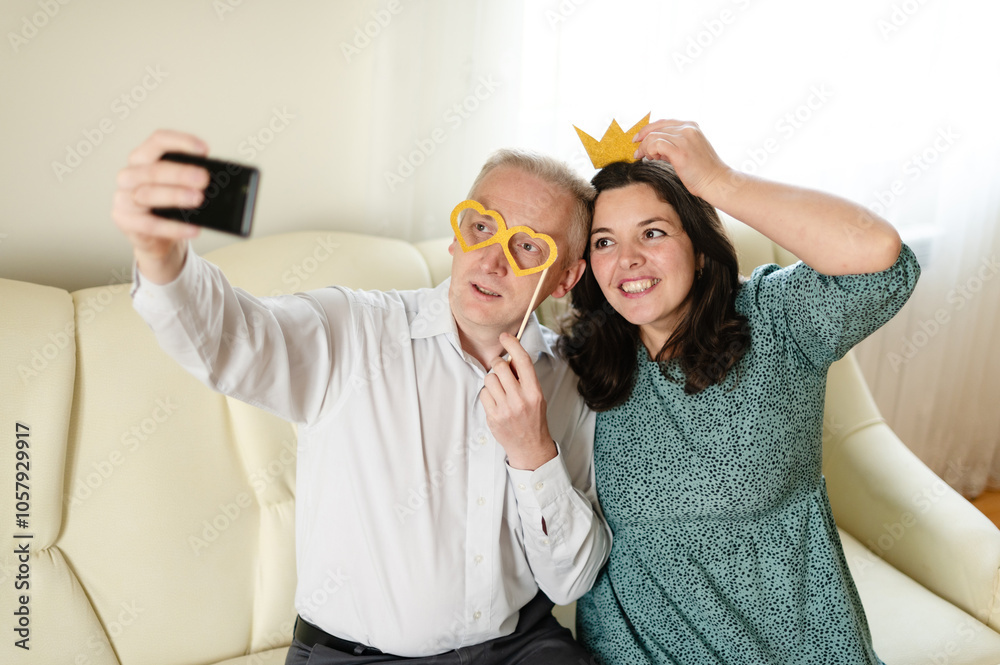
<point>830,234</point>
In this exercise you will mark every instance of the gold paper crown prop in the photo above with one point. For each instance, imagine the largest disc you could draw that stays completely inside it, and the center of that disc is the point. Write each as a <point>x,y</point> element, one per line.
<point>614,146</point>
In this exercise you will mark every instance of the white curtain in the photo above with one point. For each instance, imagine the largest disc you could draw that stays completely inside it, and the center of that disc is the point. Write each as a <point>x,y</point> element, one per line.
<point>892,103</point>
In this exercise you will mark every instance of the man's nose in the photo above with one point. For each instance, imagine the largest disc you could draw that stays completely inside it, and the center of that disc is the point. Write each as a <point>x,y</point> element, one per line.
<point>493,259</point>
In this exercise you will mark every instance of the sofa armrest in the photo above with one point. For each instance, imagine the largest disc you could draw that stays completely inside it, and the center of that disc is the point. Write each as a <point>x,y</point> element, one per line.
<point>884,496</point>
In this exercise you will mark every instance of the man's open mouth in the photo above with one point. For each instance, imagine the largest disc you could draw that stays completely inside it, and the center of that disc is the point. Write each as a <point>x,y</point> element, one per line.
<point>485,291</point>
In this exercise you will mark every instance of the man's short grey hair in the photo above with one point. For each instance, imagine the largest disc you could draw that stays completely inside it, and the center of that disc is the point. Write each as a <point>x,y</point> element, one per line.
<point>555,172</point>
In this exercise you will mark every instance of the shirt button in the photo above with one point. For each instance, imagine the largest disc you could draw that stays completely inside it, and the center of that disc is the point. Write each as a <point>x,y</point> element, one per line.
<point>478,559</point>
<point>481,439</point>
<point>521,486</point>
<point>477,615</point>
<point>539,486</point>
<point>481,501</point>
<point>545,542</point>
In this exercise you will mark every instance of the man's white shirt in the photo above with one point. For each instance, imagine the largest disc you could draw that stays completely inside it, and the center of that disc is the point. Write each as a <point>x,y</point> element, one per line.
<point>403,496</point>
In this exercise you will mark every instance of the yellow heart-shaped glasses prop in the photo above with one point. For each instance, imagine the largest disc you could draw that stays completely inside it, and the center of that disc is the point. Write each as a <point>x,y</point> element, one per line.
<point>521,245</point>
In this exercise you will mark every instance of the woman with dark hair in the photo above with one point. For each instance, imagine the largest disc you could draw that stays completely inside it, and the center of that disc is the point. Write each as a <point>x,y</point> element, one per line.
<point>710,391</point>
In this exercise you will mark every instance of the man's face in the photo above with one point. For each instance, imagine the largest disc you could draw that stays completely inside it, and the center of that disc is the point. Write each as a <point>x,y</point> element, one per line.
<point>486,295</point>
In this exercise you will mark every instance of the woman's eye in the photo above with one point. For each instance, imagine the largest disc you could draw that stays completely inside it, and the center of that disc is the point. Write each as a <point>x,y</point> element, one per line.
<point>601,243</point>
<point>654,233</point>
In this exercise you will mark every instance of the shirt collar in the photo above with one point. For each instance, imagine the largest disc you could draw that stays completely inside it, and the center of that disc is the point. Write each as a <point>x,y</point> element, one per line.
<point>433,317</point>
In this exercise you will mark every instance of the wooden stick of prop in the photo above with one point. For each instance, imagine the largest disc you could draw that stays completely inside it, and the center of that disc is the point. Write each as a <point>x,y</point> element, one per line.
<point>531,305</point>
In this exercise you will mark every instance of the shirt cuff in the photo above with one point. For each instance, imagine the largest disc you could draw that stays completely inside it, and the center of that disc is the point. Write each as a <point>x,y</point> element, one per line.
<point>165,298</point>
<point>536,489</point>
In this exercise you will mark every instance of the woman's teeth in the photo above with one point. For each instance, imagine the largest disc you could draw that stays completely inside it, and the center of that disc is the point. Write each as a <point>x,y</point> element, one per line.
<point>639,285</point>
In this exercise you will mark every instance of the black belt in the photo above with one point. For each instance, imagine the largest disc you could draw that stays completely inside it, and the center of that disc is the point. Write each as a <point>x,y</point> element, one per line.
<point>310,636</point>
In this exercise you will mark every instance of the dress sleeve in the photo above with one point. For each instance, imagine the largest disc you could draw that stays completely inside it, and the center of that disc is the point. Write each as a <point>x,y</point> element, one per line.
<point>820,317</point>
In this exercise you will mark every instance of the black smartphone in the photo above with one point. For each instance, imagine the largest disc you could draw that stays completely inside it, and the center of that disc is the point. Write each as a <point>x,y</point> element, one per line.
<point>229,197</point>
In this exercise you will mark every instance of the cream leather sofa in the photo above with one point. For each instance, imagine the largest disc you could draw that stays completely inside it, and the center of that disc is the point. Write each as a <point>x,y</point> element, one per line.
<point>161,514</point>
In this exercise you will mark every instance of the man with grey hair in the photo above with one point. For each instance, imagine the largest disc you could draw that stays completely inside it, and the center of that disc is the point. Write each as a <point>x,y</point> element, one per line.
<point>500,451</point>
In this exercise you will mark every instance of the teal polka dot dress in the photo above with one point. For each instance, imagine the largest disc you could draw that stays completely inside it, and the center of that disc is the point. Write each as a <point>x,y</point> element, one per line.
<point>725,550</point>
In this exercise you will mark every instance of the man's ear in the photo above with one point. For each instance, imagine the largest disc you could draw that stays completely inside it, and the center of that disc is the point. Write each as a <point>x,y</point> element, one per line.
<point>569,277</point>
<point>451,247</point>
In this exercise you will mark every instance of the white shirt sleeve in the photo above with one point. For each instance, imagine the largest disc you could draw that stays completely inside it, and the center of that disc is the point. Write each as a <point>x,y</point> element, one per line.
<point>569,552</point>
<point>275,353</point>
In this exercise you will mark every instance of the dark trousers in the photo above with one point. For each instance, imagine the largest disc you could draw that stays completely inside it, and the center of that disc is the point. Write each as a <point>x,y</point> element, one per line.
<point>538,640</point>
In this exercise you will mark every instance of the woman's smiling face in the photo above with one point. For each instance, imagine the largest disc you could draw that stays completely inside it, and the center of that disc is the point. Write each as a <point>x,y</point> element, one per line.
<point>643,260</point>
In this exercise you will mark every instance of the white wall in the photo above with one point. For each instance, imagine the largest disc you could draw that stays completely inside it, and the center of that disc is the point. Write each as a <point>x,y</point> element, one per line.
<point>224,70</point>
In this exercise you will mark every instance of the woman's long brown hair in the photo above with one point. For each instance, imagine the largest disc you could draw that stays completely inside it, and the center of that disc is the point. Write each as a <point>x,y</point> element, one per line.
<point>710,339</point>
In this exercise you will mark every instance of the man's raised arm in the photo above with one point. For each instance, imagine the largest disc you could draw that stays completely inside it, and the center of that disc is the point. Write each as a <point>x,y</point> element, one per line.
<point>274,353</point>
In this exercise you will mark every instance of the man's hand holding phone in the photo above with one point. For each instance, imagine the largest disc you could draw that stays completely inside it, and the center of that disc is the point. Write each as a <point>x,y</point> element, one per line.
<point>179,186</point>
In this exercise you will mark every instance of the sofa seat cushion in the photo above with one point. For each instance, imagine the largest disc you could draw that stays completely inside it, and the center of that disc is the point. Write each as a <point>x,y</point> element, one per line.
<point>910,624</point>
